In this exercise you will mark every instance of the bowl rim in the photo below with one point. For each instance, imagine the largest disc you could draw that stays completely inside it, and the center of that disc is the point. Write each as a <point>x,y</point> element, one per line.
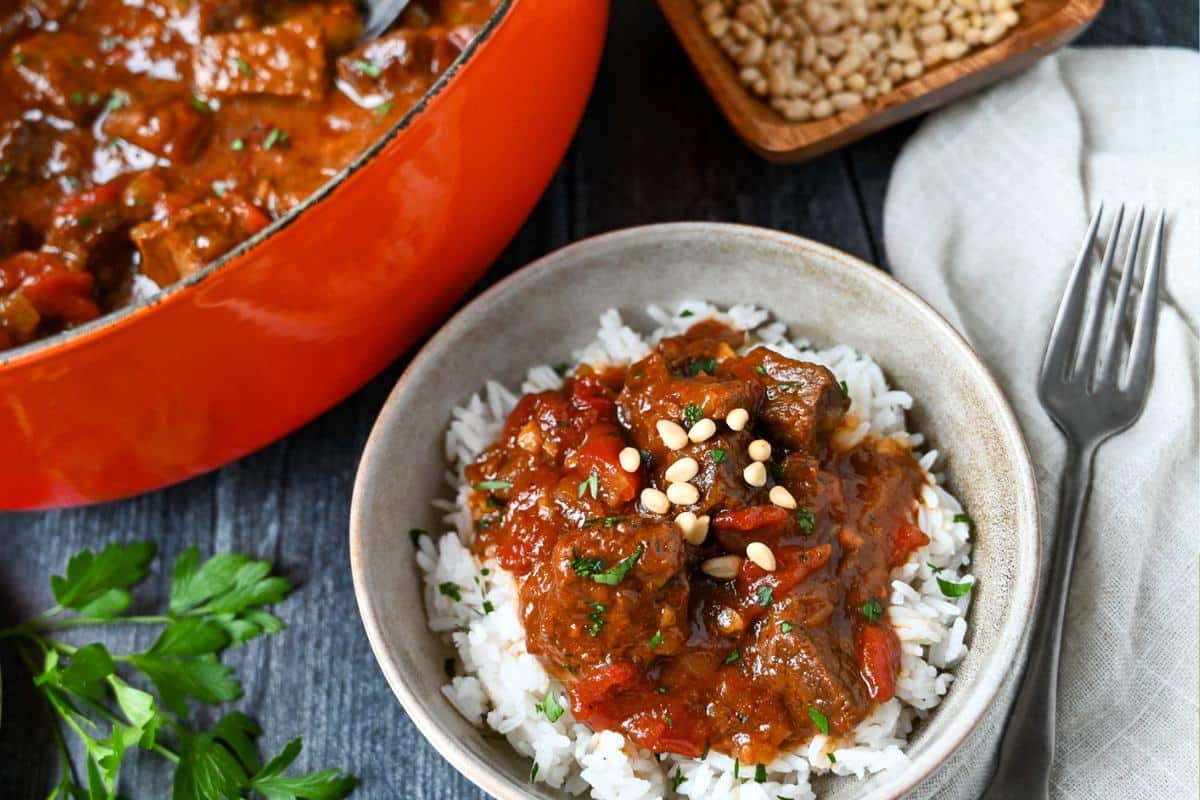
<point>1010,637</point>
<point>73,337</point>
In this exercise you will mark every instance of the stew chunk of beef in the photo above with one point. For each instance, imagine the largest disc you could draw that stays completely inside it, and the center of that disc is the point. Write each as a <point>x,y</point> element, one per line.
<point>804,403</point>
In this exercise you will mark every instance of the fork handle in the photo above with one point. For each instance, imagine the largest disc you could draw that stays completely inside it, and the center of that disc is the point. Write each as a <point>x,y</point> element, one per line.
<point>1027,749</point>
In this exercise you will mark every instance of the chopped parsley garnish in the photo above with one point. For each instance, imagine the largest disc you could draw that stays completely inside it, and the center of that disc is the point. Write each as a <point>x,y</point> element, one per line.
<point>586,567</point>
<point>492,486</point>
<point>760,773</point>
<point>219,189</point>
<point>533,772</point>
<point>617,574</point>
<point>737,769</point>
<point>845,389</point>
<point>494,502</point>
<point>765,595</point>
<point>706,746</point>
<point>776,470</point>
<point>383,109</point>
<point>550,707</point>
<point>597,618</point>
<point>237,145</point>
<point>718,455</point>
<point>951,589</point>
<point>872,610</point>
<point>243,67</point>
<point>695,368</point>
<point>677,780</point>
<point>645,454</point>
<point>77,98</point>
<point>933,567</point>
<point>819,719</point>
<point>592,522</point>
<point>367,68</point>
<point>451,590</point>
<point>109,43</point>
<point>590,484</point>
<point>760,369</point>
<point>692,414</point>
<point>484,523</point>
<point>488,607</point>
<point>561,369</point>
<point>116,100</point>
<point>964,518</point>
<point>200,104</point>
<point>656,639</point>
<point>670,722</point>
<point>686,313</point>
<point>805,519</point>
<point>832,758</point>
<point>786,626</point>
<point>733,656</point>
<point>275,137</point>
<point>662,690</point>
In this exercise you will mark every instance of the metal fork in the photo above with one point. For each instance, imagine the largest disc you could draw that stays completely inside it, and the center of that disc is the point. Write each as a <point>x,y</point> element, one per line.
<point>1083,390</point>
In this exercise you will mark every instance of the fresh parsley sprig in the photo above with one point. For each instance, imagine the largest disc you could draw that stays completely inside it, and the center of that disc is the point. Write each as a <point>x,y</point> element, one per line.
<point>214,605</point>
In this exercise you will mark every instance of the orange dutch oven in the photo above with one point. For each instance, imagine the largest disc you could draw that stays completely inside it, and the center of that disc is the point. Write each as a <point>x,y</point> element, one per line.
<point>279,330</point>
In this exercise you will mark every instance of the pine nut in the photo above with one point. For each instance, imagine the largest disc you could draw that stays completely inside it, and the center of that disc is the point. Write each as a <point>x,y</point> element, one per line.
<point>755,474</point>
<point>722,568</point>
<point>730,621</point>
<point>630,459</point>
<point>655,501</point>
<point>694,529</point>
<point>782,497</point>
<point>737,419</point>
<point>682,470</point>
<point>702,431</point>
<point>761,555</point>
<point>760,450</point>
<point>672,435</point>
<point>683,494</point>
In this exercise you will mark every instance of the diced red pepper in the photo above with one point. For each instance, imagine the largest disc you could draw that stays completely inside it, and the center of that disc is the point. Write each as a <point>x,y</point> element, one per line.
<point>792,566</point>
<point>599,688</point>
<point>903,541</point>
<point>879,661</point>
<point>249,215</point>
<point>600,451</point>
<point>591,402</point>
<point>758,519</point>
<point>62,294</point>
<point>77,204</point>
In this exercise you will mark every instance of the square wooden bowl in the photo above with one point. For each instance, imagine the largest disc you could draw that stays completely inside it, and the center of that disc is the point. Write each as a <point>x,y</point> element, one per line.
<point>1045,26</point>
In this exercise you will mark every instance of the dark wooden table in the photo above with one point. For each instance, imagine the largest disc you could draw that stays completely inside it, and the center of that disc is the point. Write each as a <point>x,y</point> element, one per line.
<point>651,148</point>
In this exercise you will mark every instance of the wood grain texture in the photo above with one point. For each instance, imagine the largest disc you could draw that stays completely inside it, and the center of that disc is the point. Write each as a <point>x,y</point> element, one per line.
<point>1045,26</point>
<point>652,147</point>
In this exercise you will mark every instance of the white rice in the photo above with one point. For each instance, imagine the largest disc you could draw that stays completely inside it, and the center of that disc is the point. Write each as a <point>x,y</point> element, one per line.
<point>501,686</point>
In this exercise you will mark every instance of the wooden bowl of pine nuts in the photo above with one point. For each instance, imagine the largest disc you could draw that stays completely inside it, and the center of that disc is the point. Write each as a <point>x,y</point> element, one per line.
<point>797,78</point>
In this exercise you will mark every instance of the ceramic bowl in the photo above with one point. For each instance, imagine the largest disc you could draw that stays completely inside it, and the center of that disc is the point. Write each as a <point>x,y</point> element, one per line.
<point>284,326</point>
<point>543,312</point>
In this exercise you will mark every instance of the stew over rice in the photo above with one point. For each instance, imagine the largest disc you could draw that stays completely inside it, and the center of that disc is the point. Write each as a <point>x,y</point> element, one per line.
<point>699,562</point>
<point>141,140</point>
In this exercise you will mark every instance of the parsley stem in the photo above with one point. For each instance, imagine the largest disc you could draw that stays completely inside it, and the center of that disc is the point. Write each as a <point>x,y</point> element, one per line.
<point>64,755</point>
<point>41,623</point>
<point>103,711</point>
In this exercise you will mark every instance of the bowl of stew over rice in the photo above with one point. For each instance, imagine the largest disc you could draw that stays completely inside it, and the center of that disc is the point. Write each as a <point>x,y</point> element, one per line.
<point>696,510</point>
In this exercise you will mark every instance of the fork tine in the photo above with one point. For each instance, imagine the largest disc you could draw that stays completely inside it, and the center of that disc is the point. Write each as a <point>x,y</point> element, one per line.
<point>1141,352</point>
<point>1086,361</point>
<point>1060,346</point>
<point>1110,352</point>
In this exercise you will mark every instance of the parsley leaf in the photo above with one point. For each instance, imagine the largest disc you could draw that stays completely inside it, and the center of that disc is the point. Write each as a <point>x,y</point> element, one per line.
<point>951,589</point>
<point>760,773</point>
<point>786,627</point>
<point>692,414</point>
<point>687,313</point>
<point>765,595</point>
<point>701,366</point>
<point>367,68</point>
<point>492,486</point>
<point>586,567</point>
<point>617,574</point>
<point>964,519</point>
<point>718,455</point>
<point>819,719</point>
<point>551,707</point>
<point>590,484</point>
<point>872,609</point>
<point>733,656</point>
<point>677,780</point>
<point>597,618</point>
<point>452,590</point>
<point>656,639</point>
<point>96,585</point>
<point>805,519</point>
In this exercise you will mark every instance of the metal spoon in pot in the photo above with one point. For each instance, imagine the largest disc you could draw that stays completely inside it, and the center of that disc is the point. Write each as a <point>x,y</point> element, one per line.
<point>380,16</point>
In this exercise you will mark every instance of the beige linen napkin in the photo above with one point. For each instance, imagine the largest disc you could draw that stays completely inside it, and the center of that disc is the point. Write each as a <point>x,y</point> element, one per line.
<point>985,212</point>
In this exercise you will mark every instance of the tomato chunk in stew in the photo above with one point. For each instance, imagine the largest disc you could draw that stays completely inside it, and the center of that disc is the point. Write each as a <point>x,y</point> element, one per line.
<point>680,633</point>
